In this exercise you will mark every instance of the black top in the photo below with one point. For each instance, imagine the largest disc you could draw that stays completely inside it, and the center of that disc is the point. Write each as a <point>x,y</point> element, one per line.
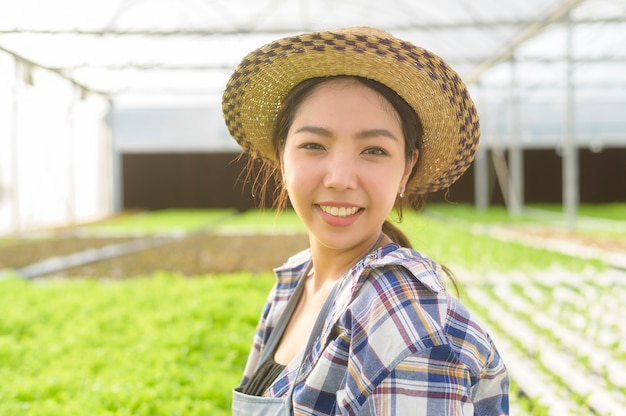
<point>263,377</point>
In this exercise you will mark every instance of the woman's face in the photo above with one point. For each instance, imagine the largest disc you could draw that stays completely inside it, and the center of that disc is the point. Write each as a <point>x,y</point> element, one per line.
<point>344,163</point>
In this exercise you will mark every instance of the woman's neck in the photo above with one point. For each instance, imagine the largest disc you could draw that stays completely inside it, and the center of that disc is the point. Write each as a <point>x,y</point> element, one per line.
<point>329,264</point>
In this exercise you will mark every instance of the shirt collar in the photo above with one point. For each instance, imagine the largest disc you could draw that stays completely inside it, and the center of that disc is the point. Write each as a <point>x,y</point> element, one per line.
<point>422,268</point>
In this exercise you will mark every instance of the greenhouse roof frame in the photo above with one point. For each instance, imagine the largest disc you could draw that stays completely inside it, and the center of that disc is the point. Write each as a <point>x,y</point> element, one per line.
<point>180,52</point>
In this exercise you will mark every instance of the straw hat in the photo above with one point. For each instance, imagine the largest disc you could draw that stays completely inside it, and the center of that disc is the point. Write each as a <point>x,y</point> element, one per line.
<point>255,90</point>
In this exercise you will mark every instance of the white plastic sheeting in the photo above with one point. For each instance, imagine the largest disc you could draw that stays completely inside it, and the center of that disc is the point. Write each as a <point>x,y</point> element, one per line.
<point>54,153</point>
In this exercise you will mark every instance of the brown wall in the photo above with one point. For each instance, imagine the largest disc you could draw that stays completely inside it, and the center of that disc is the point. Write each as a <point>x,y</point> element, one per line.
<point>183,180</point>
<point>603,175</point>
<point>210,180</point>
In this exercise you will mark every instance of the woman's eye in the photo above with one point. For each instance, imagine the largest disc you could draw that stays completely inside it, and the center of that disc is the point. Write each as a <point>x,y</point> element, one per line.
<point>376,151</point>
<point>312,146</point>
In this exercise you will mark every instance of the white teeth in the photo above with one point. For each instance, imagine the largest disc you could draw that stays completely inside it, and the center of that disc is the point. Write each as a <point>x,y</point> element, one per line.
<point>339,211</point>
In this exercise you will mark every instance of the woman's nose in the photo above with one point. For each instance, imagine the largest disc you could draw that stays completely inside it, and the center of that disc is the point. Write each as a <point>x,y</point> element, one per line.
<point>341,171</point>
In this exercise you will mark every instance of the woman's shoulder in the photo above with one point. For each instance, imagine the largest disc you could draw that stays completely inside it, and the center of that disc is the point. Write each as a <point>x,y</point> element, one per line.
<point>296,262</point>
<point>402,290</point>
<point>290,272</point>
<point>405,289</point>
<point>405,265</point>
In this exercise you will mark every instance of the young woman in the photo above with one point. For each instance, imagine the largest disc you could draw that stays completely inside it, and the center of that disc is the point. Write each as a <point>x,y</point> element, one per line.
<point>354,123</point>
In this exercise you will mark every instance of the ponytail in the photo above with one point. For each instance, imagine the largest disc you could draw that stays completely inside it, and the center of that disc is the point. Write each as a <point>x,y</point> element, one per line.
<point>402,240</point>
<point>396,235</point>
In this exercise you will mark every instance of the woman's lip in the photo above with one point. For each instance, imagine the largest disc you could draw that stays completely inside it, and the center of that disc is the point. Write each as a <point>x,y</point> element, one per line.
<point>338,204</point>
<point>339,211</point>
<point>334,219</point>
<point>341,206</point>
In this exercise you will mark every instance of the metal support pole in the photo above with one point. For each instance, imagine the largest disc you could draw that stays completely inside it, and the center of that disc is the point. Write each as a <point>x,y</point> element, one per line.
<point>107,172</point>
<point>116,163</point>
<point>481,179</point>
<point>15,226</point>
<point>481,171</point>
<point>70,207</point>
<point>516,158</point>
<point>570,148</point>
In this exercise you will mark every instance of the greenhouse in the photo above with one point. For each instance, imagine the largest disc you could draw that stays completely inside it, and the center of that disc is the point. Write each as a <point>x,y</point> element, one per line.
<point>112,139</point>
<point>544,75</point>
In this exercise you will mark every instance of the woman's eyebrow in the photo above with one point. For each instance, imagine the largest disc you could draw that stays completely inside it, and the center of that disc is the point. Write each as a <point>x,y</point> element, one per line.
<point>320,131</point>
<point>366,134</point>
<point>376,133</point>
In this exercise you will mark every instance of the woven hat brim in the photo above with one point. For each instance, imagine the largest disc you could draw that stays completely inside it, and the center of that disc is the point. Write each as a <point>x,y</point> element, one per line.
<point>256,89</point>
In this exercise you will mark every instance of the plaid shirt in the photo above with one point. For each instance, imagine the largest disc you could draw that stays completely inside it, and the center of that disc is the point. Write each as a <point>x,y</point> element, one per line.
<point>394,343</point>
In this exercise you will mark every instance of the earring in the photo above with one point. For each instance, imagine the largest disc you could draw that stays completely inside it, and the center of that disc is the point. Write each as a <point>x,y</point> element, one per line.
<point>402,192</point>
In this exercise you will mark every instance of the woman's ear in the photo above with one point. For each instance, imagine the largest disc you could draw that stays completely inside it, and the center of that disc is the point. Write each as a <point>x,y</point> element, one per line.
<point>409,167</point>
<point>282,170</point>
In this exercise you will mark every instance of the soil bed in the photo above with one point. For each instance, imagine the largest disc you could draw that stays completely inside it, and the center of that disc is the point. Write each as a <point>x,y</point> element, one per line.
<point>24,252</point>
<point>208,253</point>
<point>200,255</point>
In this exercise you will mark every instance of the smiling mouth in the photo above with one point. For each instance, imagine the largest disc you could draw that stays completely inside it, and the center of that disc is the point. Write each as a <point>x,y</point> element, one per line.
<point>339,211</point>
